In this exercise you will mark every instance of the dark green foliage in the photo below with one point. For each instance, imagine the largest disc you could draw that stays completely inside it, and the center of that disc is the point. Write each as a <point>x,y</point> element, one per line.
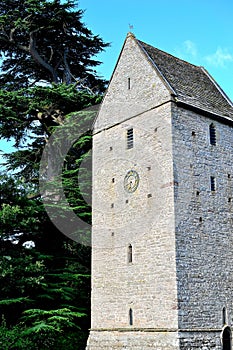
<point>45,290</point>
<point>46,40</point>
<point>16,338</point>
<point>29,116</point>
<point>47,65</point>
<point>48,74</point>
<point>11,338</point>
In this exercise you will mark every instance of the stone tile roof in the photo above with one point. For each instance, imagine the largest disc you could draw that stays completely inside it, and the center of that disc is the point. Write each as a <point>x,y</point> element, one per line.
<point>189,83</point>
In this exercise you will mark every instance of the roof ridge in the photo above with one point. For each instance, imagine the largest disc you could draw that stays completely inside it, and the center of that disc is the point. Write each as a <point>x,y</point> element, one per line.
<point>168,54</point>
<point>189,82</point>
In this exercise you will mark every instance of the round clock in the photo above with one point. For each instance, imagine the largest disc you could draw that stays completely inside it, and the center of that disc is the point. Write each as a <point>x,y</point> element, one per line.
<point>131,181</point>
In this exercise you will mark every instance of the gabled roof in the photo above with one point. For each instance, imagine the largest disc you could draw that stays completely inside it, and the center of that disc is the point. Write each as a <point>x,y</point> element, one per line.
<point>190,84</point>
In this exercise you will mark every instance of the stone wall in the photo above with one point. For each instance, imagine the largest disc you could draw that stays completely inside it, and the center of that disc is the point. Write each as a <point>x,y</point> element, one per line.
<point>147,285</point>
<point>143,219</point>
<point>133,340</point>
<point>146,89</point>
<point>180,231</point>
<point>202,340</point>
<point>204,230</point>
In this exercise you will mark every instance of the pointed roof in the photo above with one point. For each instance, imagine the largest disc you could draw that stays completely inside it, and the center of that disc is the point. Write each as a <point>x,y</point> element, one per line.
<point>189,84</point>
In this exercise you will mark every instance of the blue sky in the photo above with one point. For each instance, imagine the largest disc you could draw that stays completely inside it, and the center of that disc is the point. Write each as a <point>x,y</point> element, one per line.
<point>198,31</point>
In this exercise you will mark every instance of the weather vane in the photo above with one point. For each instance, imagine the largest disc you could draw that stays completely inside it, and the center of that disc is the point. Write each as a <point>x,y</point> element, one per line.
<point>130,27</point>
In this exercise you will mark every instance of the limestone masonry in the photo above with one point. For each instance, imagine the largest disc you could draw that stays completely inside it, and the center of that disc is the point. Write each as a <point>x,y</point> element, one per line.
<point>162,233</point>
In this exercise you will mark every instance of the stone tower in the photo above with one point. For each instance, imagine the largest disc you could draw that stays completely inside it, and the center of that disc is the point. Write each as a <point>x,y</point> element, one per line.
<point>162,207</point>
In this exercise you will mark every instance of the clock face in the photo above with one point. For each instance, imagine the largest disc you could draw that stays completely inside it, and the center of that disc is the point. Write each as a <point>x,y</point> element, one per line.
<point>131,181</point>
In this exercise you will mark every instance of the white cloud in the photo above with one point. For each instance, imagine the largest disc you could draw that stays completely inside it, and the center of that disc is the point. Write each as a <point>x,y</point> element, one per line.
<point>187,51</point>
<point>190,48</point>
<point>219,58</point>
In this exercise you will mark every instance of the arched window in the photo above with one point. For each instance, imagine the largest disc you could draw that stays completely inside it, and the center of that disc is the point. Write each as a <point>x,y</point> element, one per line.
<point>212,131</point>
<point>226,339</point>
<point>130,317</point>
<point>130,254</point>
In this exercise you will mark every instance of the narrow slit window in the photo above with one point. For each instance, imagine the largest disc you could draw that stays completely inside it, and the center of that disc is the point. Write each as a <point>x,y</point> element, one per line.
<point>129,84</point>
<point>130,138</point>
<point>212,135</point>
<point>130,254</point>
<point>130,317</point>
<point>212,183</point>
<point>224,316</point>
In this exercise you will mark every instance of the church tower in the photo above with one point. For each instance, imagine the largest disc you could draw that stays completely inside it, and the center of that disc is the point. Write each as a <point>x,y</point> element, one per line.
<point>162,207</point>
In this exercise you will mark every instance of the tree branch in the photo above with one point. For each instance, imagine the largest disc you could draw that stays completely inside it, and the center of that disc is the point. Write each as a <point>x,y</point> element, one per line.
<point>32,50</point>
<point>67,68</point>
<point>51,54</point>
<point>39,59</point>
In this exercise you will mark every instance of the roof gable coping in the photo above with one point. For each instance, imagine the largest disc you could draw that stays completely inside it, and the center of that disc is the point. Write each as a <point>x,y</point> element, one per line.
<point>168,85</point>
<point>129,34</point>
<point>217,86</point>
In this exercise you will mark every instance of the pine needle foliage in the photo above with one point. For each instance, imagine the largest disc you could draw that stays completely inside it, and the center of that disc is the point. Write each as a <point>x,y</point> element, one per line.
<point>47,74</point>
